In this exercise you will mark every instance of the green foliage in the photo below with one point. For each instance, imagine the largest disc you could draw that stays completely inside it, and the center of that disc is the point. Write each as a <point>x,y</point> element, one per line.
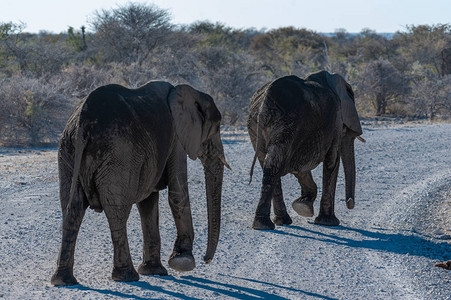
<point>131,32</point>
<point>219,35</point>
<point>8,29</point>
<point>289,50</point>
<point>10,39</point>
<point>75,39</point>
<point>424,44</point>
<point>32,108</point>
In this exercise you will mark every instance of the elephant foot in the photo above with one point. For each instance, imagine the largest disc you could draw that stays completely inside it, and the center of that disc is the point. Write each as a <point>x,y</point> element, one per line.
<point>147,268</point>
<point>327,220</point>
<point>263,223</point>
<point>182,262</point>
<point>303,207</point>
<point>350,203</point>
<point>125,274</point>
<point>284,219</point>
<point>63,277</point>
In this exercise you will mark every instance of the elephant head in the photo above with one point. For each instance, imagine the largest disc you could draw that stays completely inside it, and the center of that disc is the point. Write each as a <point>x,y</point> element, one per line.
<point>351,127</point>
<point>197,122</point>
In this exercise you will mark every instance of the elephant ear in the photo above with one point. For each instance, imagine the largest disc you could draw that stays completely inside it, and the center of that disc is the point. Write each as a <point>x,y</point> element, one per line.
<point>348,110</point>
<point>196,117</point>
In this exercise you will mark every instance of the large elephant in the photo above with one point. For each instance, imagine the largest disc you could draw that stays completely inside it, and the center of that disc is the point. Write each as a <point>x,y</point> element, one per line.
<point>122,146</point>
<point>295,124</point>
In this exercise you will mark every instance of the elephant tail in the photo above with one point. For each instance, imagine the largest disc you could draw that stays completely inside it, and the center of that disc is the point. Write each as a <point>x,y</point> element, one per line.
<point>256,149</point>
<point>81,139</point>
<point>79,146</point>
<point>252,167</point>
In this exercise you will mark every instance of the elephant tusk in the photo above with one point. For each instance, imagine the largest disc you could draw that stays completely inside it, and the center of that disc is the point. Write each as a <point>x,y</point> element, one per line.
<point>222,159</point>
<point>361,139</point>
<point>208,260</point>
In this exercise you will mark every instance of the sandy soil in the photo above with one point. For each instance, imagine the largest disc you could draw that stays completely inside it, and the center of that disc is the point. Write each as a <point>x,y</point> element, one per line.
<point>385,248</point>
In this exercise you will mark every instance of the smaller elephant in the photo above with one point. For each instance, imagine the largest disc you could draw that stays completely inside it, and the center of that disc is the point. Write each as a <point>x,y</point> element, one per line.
<point>294,125</point>
<point>122,146</point>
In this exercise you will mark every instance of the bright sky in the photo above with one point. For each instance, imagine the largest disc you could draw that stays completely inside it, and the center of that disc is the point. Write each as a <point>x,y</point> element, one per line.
<point>318,15</point>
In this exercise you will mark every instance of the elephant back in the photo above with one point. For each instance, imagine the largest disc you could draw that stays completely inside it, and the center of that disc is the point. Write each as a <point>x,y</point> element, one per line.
<point>292,98</point>
<point>114,110</point>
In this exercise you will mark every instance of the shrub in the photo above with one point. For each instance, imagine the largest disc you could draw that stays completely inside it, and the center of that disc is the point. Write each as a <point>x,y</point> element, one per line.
<point>32,112</point>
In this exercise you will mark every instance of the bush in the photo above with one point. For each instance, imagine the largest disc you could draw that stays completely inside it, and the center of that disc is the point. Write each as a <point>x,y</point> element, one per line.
<point>43,75</point>
<point>431,97</point>
<point>32,112</point>
<point>79,80</point>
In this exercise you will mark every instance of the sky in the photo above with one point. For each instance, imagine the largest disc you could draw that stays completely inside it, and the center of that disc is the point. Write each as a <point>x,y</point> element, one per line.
<point>318,15</point>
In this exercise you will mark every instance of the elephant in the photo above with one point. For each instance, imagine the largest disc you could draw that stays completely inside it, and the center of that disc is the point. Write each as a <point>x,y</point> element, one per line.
<point>295,124</point>
<point>122,146</point>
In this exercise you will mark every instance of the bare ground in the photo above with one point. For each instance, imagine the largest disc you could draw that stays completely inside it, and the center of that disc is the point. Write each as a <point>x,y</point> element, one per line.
<point>385,248</point>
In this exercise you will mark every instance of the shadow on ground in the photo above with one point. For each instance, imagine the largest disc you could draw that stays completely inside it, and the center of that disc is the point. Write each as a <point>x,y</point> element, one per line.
<point>378,240</point>
<point>218,289</point>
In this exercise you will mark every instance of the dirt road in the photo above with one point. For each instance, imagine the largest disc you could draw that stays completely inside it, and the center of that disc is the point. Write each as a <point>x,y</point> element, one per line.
<point>385,248</point>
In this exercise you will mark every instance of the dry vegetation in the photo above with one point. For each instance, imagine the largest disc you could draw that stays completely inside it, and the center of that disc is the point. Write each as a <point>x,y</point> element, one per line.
<point>42,76</point>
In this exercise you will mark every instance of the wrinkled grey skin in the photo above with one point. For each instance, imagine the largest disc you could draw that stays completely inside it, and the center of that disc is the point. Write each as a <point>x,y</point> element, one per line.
<point>122,146</point>
<point>294,125</point>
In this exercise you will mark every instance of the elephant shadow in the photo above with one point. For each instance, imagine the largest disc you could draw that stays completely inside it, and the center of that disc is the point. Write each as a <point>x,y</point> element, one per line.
<point>220,288</point>
<point>111,293</point>
<point>224,289</point>
<point>140,284</point>
<point>378,240</point>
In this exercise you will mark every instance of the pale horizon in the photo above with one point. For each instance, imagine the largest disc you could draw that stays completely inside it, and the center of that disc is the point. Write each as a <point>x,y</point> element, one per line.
<point>327,16</point>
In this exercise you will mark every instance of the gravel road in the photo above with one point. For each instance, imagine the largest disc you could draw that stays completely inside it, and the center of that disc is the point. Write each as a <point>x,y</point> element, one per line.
<point>385,248</point>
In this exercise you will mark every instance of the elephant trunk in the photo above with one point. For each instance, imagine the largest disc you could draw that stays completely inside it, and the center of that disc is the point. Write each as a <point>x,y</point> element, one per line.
<point>212,159</point>
<point>348,159</point>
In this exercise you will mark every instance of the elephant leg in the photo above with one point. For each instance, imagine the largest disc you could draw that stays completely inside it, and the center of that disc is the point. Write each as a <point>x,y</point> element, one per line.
<point>117,216</point>
<point>304,205</point>
<point>182,258</point>
<point>280,211</point>
<point>271,175</point>
<point>326,214</point>
<point>148,210</point>
<point>73,212</point>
